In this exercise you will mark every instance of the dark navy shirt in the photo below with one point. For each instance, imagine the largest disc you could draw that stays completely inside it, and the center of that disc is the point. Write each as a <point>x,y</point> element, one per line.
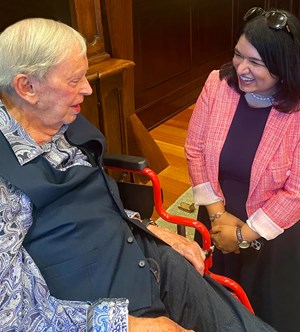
<point>238,154</point>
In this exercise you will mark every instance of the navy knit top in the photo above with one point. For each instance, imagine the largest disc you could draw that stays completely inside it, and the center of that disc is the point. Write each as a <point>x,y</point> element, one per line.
<point>238,154</point>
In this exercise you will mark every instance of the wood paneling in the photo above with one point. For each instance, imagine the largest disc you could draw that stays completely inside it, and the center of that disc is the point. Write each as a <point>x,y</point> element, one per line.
<point>213,32</point>
<point>157,28</point>
<point>87,18</point>
<point>290,5</point>
<point>15,10</point>
<point>176,44</point>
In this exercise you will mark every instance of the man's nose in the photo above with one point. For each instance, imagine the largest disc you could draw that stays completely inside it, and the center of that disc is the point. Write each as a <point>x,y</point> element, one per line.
<point>86,89</point>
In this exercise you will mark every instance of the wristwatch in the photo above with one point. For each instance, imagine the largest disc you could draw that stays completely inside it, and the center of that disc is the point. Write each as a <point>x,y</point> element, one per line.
<point>243,244</point>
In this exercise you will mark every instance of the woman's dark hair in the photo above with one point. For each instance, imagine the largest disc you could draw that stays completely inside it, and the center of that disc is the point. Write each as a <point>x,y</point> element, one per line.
<point>280,52</point>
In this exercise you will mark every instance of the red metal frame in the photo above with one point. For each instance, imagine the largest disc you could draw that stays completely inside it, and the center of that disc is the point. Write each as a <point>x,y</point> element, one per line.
<point>233,286</point>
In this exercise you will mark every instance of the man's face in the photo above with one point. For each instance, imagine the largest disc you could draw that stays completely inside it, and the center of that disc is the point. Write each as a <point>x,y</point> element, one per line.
<point>62,91</point>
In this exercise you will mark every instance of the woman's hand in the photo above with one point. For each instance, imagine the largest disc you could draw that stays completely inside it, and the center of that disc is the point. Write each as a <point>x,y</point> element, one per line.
<point>228,219</point>
<point>224,217</point>
<point>187,248</point>
<point>159,324</point>
<point>224,238</point>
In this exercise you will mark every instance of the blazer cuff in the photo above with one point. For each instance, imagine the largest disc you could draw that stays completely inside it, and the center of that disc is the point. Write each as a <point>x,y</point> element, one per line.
<point>204,194</point>
<point>260,223</point>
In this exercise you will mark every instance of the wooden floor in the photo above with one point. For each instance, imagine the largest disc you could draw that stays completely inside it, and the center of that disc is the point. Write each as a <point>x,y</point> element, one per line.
<point>170,137</point>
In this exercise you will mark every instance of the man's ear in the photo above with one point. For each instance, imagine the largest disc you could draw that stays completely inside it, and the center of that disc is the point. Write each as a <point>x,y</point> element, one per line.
<point>24,87</point>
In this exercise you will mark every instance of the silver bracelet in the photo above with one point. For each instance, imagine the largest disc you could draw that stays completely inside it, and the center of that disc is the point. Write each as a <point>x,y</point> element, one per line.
<point>216,215</point>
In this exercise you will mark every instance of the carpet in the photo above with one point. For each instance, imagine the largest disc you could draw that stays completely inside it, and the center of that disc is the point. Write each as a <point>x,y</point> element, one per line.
<point>185,199</point>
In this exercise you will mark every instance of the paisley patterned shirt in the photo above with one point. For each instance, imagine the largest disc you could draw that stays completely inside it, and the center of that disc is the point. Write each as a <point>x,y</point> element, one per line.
<point>25,301</point>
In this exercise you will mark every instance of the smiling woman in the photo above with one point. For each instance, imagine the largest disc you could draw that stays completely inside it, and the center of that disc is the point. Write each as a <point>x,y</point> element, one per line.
<point>253,75</point>
<point>243,152</point>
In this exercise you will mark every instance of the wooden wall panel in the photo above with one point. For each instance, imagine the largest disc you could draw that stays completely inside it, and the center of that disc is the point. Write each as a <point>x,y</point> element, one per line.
<point>164,34</point>
<point>176,44</point>
<point>214,33</point>
<point>289,5</point>
<point>15,10</point>
<point>162,43</point>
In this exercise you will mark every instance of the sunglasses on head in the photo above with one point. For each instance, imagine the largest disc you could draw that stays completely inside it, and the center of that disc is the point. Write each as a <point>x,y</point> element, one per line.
<point>275,19</point>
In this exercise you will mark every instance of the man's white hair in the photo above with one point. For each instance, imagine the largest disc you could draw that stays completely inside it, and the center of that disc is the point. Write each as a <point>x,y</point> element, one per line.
<point>34,46</point>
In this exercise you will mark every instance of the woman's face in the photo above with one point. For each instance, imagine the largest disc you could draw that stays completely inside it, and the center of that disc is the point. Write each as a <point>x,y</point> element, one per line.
<point>60,94</point>
<point>253,75</point>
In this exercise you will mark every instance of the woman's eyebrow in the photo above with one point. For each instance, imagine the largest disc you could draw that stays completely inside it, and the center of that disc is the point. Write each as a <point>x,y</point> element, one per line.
<point>255,59</point>
<point>250,58</point>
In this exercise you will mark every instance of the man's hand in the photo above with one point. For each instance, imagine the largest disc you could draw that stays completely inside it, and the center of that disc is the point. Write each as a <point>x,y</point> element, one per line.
<point>187,248</point>
<point>160,324</point>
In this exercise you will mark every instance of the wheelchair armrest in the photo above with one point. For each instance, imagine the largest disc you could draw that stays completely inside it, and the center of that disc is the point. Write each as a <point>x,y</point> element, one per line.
<point>124,161</point>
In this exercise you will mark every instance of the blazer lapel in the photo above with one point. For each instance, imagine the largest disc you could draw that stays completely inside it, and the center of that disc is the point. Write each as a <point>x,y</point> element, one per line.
<point>275,129</point>
<point>221,120</point>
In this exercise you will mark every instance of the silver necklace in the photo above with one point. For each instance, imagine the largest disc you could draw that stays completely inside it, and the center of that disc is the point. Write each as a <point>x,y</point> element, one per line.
<point>260,97</point>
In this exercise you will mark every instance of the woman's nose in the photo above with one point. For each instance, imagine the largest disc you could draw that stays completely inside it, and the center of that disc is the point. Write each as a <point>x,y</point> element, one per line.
<point>243,67</point>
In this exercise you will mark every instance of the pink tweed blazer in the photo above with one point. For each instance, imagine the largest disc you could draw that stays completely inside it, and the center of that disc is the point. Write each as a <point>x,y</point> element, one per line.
<point>275,175</point>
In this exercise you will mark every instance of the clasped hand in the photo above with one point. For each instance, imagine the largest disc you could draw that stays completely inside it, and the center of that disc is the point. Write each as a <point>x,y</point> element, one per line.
<point>223,233</point>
